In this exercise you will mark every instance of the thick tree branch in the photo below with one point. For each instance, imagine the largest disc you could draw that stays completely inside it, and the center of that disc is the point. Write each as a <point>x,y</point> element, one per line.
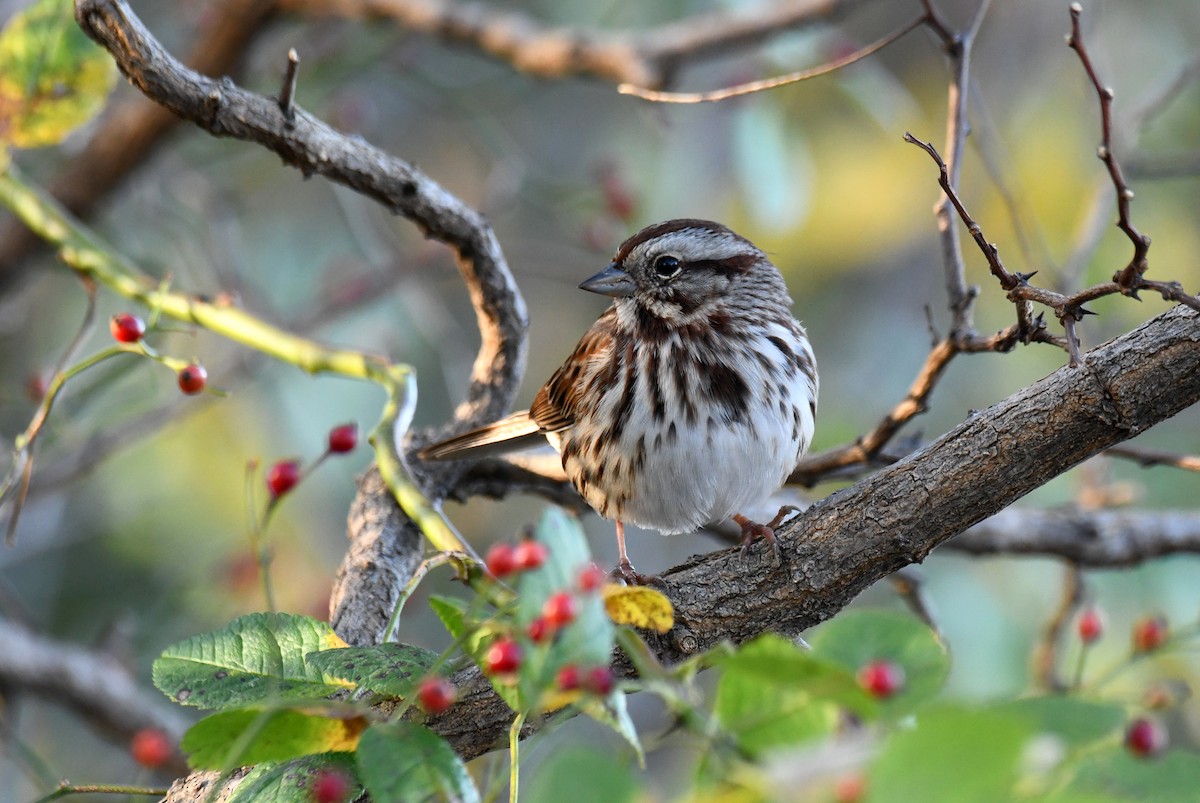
<point>381,550</point>
<point>843,544</point>
<point>1105,539</point>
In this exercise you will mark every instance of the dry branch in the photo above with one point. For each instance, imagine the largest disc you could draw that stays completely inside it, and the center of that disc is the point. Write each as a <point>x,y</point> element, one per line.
<point>91,682</point>
<point>647,57</point>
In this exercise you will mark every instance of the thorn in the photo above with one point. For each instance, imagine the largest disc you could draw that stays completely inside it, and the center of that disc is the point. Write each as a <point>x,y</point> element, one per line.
<point>288,91</point>
<point>1024,278</point>
<point>1083,311</point>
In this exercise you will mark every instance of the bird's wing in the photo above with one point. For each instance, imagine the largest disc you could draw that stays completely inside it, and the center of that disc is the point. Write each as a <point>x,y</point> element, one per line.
<point>557,404</point>
<point>518,431</point>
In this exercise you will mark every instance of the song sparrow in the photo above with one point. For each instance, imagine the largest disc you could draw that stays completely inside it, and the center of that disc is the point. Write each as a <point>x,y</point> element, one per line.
<point>692,397</point>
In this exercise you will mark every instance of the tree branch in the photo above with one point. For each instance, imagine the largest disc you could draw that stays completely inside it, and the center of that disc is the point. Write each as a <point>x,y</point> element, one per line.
<point>646,58</point>
<point>93,683</point>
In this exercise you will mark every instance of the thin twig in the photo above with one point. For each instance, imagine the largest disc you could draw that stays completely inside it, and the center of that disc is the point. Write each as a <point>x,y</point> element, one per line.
<point>1049,645</point>
<point>1148,458</point>
<point>1128,276</point>
<point>288,91</point>
<point>751,87</point>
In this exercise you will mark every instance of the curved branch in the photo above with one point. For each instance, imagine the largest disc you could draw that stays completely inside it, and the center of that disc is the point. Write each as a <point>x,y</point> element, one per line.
<point>312,147</point>
<point>646,58</point>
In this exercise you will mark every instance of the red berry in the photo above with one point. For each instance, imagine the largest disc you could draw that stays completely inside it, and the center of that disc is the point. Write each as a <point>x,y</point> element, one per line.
<point>502,657</point>
<point>539,629</point>
<point>1146,737</point>
<point>599,680</point>
<point>330,786</point>
<point>126,328</point>
<point>1090,626</point>
<point>591,578</point>
<point>1149,633</point>
<point>151,748</point>
<point>569,678</point>
<point>501,560</point>
<point>343,439</point>
<point>850,789</point>
<point>436,694</point>
<point>282,477</point>
<point>881,678</point>
<point>530,554</point>
<point>192,379</point>
<point>560,609</point>
<point>36,386</point>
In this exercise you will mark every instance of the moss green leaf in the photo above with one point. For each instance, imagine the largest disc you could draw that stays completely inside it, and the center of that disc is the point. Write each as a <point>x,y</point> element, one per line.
<point>52,77</point>
<point>257,658</point>
<point>405,761</point>
<point>292,781</point>
<point>231,739</point>
<point>389,670</point>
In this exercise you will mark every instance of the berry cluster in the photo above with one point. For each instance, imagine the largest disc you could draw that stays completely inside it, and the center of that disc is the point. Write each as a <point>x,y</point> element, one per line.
<point>284,475</point>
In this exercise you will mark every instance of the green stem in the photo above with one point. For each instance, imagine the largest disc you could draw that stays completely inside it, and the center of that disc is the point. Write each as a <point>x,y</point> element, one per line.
<point>101,789</point>
<point>86,253</point>
<point>514,747</point>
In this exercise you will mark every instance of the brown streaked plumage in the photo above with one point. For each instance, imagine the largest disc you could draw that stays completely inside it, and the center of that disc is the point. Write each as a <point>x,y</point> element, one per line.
<point>691,398</point>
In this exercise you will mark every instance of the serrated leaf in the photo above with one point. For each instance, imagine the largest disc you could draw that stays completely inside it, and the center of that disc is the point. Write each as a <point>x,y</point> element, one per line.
<point>257,658</point>
<point>639,606</point>
<point>389,670</point>
<point>855,638</point>
<point>405,761</point>
<point>773,694</point>
<point>231,739</point>
<point>52,77</point>
<point>452,613</point>
<point>292,781</point>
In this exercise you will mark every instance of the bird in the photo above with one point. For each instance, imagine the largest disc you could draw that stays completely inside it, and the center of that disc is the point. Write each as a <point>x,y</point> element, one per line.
<point>689,401</point>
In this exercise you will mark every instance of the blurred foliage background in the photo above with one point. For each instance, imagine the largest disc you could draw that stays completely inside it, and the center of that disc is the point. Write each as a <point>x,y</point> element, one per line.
<point>154,538</point>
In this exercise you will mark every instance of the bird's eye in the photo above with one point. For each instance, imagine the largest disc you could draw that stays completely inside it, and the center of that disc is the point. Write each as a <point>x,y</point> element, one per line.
<point>667,266</point>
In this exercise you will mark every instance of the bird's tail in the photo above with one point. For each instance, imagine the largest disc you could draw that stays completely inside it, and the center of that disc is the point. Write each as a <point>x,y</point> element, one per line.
<point>518,431</point>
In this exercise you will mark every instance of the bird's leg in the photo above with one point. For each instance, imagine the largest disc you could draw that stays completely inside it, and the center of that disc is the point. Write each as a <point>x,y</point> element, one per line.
<point>752,530</point>
<point>625,571</point>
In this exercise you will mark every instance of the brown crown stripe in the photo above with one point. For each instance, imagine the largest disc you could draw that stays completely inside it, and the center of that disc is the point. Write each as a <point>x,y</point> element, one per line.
<point>668,226</point>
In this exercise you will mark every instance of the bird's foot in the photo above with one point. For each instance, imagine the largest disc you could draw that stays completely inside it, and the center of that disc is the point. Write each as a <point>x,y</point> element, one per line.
<point>752,530</point>
<point>625,573</point>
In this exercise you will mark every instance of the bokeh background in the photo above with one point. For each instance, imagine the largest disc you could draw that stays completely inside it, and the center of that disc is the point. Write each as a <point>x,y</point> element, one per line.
<point>153,540</point>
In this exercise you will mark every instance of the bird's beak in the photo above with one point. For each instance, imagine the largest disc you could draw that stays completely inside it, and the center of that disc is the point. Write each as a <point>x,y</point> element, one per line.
<point>612,281</point>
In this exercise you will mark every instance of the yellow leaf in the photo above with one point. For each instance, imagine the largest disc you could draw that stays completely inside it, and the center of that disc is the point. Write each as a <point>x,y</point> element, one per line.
<point>639,606</point>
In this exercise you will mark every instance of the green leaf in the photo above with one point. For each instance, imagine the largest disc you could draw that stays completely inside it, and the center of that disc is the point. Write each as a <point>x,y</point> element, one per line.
<point>773,694</point>
<point>291,782</point>
<point>52,77</point>
<point>1077,722</point>
<point>389,670</point>
<point>405,761</point>
<point>591,777</point>
<point>1175,775</point>
<point>954,753</point>
<point>855,638</point>
<point>453,614</point>
<point>257,658</point>
<point>231,739</point>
